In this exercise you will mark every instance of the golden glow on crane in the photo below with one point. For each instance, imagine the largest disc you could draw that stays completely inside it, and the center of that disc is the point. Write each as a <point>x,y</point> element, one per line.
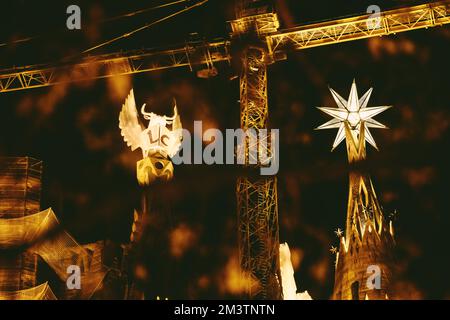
<point>297,38</point>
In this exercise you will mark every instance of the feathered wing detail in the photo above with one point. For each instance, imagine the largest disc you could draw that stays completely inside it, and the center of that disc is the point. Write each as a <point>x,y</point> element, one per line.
<point>177,132</point>
<point>131,128</point>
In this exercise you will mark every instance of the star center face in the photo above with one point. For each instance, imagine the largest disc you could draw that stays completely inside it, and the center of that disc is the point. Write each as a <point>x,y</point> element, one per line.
<point>353,118</point>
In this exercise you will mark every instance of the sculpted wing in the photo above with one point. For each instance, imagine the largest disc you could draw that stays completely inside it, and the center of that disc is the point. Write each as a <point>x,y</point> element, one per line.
<point>131,128</point>
<point>176,133</point>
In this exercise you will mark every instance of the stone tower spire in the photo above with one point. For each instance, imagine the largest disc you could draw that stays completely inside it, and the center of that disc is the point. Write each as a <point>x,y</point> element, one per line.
<point>364,262</point>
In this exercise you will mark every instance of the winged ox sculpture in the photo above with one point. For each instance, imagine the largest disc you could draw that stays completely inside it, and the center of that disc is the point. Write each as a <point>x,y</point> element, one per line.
<point>156,137</point>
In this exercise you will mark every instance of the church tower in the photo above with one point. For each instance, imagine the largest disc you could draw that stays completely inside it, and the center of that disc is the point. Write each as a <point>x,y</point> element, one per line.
<point>364,262</point>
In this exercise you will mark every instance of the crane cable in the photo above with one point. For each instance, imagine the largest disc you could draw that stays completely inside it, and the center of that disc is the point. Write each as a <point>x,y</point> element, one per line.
<point>126,15</point>
<point>134,13</point>
<point>148,25</point>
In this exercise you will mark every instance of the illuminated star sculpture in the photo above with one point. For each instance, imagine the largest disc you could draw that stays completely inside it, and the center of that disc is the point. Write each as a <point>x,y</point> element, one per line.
<point>353,112</point>
<point>333,249</point>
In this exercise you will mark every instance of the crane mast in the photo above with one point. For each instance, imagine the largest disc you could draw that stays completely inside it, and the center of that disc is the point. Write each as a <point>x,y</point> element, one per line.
<point>257,201</point>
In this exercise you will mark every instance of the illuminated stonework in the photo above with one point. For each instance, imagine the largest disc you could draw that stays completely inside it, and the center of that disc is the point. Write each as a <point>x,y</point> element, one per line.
<point>369,237</point>
<point>157,141</point>
<point>156,138</point>
<point>287,276</point>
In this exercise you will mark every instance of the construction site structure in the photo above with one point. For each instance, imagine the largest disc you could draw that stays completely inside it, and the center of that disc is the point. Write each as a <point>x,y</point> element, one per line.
<point>30,238</point>
<point>20,195</point>
<point>257,26</point>
<point>257,199</point>
<point>210,53</point>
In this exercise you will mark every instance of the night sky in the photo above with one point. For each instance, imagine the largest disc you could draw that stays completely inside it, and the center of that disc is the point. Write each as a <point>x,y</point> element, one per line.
<point>89,177</point>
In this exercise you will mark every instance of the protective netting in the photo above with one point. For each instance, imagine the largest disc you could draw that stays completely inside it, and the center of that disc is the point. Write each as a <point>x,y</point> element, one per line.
<point>61,251</point>
<point>23,231</point>
<point>41,235</point>
<point>17,270</point>
<point>20,186</point>
<point>41,292</point>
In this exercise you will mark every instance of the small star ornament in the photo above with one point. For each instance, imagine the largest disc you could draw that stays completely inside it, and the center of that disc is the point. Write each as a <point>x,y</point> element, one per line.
<point>393,215</point>
<point>339,232</point>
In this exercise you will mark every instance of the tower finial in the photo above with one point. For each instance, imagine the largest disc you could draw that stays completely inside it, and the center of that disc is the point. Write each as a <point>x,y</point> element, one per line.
<point>354,114</point>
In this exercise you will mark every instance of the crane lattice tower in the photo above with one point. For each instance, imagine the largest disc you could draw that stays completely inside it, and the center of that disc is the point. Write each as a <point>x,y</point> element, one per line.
<point>257,202</point>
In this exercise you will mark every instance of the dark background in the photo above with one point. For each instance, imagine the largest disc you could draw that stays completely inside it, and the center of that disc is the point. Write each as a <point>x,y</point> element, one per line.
<point>90,173</point>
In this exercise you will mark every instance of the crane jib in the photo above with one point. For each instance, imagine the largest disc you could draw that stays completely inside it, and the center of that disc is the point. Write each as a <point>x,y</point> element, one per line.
<point>207,54</point>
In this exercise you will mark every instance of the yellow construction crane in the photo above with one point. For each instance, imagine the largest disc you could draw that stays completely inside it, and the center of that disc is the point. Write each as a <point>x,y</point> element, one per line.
<point>256,196</point>
<point>277,42</point>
